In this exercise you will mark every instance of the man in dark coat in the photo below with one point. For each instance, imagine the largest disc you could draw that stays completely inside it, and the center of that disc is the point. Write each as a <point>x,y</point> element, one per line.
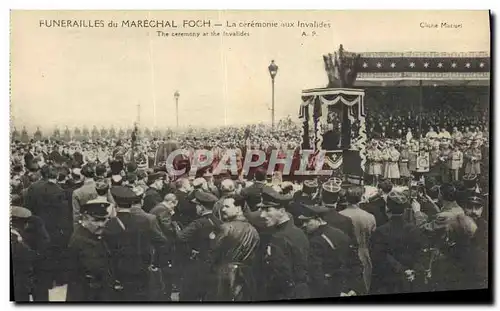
<point>23,255</point>
<point>285,252</point>
<point>132,240</point>
<point>47,200</point>
<point>334,266</point>
<point>91,274</point>
<point>152,196</point>
<point>185,211</point>
<point>477,268</point>
<point>329,198</point>
<point>397,251</point>
<point>377,205</point>
<point>252,194</point>
<point>198,237</point>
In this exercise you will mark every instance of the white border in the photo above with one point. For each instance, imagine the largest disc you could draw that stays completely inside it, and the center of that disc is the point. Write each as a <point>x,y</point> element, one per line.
<point>187,4</point>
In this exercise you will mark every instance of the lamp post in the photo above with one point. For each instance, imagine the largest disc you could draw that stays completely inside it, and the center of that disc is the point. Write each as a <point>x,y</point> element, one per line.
<point>273,70</point>
<point>176,95</point>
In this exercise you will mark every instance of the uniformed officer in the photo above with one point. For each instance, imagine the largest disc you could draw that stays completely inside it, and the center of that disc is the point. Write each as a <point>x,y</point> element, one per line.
<point>132,240</point>
<point>23,256</point>
<point>334,267</point>
<point>285,252</point>
<point>329,197</point>
<point>91,274</point>
<point>198,238</point>
<point>478,268</point>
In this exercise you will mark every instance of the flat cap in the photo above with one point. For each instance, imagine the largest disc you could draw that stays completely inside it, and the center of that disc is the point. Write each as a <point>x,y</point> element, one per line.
<point>124,195</point>
<point>20,212</point>
<point>97,208</point>
<point>204,198</point>
<point>272,198</point>
<point>308,211</point>
<point>155,176</point>
<point>475,200</point>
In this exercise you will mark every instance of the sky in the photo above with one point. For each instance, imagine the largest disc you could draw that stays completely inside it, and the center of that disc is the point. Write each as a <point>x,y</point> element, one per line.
<point>99,76</point>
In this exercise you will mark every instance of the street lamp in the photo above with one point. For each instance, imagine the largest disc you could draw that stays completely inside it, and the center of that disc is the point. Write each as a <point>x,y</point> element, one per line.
<point>273,70</point>
<point>176,95</point>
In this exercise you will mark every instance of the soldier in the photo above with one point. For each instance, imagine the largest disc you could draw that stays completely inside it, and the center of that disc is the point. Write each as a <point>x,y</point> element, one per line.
<point>308,194</point>
<point>285,253</point>
<point>444,161</point>
<point>24,135</point>
<point>23,256</point>
<point>404,158</point>
<point>334,267</point>
<point>478,269</point>
<point>473,157</point>
<point>38,134</point>
<point>152,196</point>
<point>392,168</point>
<point>132,241</point>
<point>91,274</point>
<point>456,162</point>
<point>329,198</point>
<point>396,250</point>
<point>199,237</point>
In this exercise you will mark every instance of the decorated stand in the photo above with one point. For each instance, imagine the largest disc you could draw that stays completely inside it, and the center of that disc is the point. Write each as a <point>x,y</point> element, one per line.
<point>334,118</point>
<point>334,121</point>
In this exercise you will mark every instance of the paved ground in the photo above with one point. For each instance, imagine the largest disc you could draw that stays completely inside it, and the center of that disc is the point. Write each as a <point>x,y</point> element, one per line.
<point>59,294</point>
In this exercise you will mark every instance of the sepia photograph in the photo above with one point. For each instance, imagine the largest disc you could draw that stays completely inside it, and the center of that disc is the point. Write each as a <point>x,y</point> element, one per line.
<point>250,156</point>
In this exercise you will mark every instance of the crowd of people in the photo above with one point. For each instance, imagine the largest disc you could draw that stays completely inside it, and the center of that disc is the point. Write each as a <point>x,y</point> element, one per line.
<point>114,228</point>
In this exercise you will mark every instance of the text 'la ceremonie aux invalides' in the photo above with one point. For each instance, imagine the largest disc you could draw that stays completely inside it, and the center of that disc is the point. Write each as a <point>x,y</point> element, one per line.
<point>68,23</point>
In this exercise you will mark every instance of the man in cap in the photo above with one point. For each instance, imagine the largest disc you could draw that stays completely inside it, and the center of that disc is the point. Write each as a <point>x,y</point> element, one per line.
<point>152,195</point>
<point>308,195</point>
<point>91,274</point>
<point>456,162</point>
<point>329,199</point>
<point>132,240</point>
<point>334,267</point>
<point>478,261</point>
<point>285,252</point>
<point>396,250</point>
<point>473,158</point>
<point>199,237</point>
<point>86,192</point>
<point>253,193</point>
<point>364,224</point>
<point>23,256</point>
